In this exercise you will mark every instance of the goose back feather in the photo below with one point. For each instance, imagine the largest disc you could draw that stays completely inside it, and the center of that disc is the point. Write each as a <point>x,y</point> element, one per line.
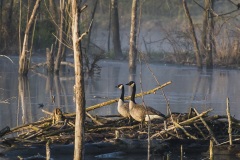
<point>138,111</point>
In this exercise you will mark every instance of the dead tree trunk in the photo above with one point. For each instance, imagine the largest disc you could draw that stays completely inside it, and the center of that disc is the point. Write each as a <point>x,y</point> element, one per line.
<point>211,46</point>
<point>115,30</point>
<point>133,35</point>
<point>90,29</point>
<point>24,57</point>
<point>49,60</point>
<point>60,46</point>
<point>1,13</point>
<point>193,36</point>
<point>5,23</point>
<point>79,83</point>
<point>109,28</point>
<point>203,44</point>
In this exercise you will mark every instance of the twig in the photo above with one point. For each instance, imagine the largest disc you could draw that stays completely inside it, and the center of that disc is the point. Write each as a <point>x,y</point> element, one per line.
<point>7,58</point>
<point>94,119</point>
<point>200,131</point>
<point>85,33</point>
<point>184,130</point>
<point>55,132</point>
<point>187,122</point>
<point>238,139</point>
<point>208,128</point>
<point>229,123</point>
<point>15,129</point>
<point>47,112</point>
<point>48,150</point>
<point>211,152</point>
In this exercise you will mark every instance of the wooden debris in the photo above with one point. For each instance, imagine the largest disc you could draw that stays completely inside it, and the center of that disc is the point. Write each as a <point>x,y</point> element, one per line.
<point>118,128</point>
<point>191,129</point>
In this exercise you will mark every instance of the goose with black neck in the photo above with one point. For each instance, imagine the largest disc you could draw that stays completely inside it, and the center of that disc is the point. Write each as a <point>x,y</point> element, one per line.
<point>138,111</point>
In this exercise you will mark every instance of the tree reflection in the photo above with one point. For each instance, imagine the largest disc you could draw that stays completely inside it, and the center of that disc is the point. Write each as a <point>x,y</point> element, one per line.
<point>24,103</point>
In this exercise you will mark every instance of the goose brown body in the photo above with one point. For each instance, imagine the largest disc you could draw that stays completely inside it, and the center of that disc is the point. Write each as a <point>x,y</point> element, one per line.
<point>138,111</point>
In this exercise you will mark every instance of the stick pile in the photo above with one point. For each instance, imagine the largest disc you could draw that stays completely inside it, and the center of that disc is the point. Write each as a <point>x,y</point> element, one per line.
<point>59,128</point>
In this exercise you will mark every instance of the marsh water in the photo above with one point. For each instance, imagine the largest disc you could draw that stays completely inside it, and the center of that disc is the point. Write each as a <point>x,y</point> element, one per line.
<point>190,87</point>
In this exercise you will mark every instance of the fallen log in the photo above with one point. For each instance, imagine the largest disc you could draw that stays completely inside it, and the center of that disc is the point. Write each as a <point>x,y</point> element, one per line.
<point>126,98</point>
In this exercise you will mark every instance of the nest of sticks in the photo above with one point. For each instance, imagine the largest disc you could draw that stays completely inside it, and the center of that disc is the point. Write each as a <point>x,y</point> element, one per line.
<point>59,129</point>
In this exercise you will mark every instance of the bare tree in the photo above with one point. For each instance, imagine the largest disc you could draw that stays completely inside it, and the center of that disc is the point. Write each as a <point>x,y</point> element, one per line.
<point>24,57</point>
<point>90,30</point>
<point>109,27</point>
<point>207,34</point>
<point>60,46</point>
<point>5,23</point>
<point>79,82</point>
<point>203,44</point>
<point>193,36</point>
<point>115,29</point>
<point>133,35</point>
<point>211,42</point>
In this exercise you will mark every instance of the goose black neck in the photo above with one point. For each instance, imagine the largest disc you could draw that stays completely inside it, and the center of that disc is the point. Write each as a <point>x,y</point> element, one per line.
<point>122,94</point>
<point>133,93</point>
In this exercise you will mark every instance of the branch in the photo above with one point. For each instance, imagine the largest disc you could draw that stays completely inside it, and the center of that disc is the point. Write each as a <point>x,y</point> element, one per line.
<point>81,37</point>
<point>7,58</point>
<point>199,5</point>
<point>83,8</point>
<point>85,33</point>
<point>67,45</point>
<point>208,128</point>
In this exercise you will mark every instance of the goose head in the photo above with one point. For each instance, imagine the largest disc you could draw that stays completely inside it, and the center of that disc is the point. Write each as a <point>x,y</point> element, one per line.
<point>120,86</point>
<point>131,84</point>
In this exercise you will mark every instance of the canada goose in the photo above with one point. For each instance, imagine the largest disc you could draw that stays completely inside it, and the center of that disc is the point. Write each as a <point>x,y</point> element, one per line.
<point>138,111</point>
<point>123,107</point>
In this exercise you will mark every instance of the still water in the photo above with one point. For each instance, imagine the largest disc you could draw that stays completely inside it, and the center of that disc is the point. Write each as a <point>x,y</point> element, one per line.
<point>190,88</point>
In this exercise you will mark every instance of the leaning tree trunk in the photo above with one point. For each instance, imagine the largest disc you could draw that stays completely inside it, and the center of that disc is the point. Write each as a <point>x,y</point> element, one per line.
<point>115,29</point>
<point>133,35</point>
<point>79,83</point>
<point>24,57</point>
<point>193,35</point>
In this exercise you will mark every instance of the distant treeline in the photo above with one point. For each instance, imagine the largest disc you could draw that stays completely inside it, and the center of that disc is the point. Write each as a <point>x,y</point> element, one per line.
<point>14,15</point>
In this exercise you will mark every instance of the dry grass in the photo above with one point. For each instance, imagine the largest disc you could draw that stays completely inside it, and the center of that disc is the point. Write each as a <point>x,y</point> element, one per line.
<point>227,49</point>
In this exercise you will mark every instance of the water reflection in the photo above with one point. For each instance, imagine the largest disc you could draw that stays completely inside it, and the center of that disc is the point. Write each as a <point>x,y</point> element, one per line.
<point>25,105</point>
<point>190,88</point>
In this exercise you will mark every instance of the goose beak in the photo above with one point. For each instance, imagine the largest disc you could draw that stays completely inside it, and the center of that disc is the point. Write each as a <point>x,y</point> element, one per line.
<point>127,84</point>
